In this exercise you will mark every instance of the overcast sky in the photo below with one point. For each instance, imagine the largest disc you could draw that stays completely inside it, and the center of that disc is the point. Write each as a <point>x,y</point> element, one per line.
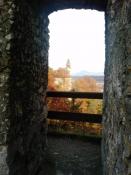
<point>77,35</point>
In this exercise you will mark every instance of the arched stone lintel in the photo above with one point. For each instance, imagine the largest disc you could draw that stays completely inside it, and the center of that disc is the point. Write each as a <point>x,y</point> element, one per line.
<point>54,5</point>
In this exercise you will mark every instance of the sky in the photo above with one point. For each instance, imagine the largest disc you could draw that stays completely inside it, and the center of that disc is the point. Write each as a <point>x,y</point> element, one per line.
<point>77,35</point>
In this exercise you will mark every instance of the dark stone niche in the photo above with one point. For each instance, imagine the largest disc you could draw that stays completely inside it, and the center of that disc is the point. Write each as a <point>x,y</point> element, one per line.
<point>24,43</point>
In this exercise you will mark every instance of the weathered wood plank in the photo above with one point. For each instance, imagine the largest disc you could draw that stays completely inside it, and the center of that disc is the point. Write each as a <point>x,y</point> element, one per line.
<point>89,95</point>
<point>83,117</point>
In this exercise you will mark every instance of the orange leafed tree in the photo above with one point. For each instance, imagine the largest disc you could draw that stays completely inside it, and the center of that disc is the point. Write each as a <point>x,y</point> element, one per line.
<point>61,73</point>
<point>60,104</point>
<point>51,80</point>
<point>81,84</point>
<point>85,84</point>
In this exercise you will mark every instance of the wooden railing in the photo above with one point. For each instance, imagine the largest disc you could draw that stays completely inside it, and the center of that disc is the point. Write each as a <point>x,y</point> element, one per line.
<point>83,117</point>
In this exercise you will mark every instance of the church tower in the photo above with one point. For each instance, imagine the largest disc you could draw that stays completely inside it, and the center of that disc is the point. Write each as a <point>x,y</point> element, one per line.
<point>68,78</point>
<point>68,67</point>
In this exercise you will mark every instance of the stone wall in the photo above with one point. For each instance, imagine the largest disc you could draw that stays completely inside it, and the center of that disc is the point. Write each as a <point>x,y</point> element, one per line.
<point>117,100</point>
<point>54,5</point>
<point>6,20</point>
<point>28,83</point>
<point>23,82</point>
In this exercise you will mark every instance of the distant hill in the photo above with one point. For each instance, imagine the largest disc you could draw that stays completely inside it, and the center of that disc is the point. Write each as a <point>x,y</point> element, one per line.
<point>83,73</point>
<point>98,78</point>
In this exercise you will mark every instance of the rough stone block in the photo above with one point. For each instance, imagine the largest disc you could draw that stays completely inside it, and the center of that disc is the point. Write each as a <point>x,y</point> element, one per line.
<point>118,27</point>
<point>129,89</point>
<point>129,60</point>
<point>129,168</point>
<point>1,2</point>
<point>129,78</point>
<point>3,165</point>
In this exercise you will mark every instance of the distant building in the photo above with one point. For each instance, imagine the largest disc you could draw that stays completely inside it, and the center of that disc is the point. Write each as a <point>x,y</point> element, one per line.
<point>68,66</point>
<point>63,78</point>
<point>68,78</point>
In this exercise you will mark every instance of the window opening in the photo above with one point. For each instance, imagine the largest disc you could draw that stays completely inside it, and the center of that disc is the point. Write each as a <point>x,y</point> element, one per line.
<point>76,64</point>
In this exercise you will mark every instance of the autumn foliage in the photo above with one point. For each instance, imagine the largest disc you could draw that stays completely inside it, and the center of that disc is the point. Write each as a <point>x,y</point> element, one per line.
<point>56,78</point>
<point>81,84</point>
<point>85,84</point>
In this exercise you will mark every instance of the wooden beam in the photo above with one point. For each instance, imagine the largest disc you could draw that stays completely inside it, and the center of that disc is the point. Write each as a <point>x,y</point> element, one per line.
<point>88,95</point>
<point>80,117</point>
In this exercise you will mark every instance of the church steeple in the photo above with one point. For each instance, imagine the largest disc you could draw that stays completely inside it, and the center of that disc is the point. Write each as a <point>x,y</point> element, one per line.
<point>68,65</point>
<point>68,78</point>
